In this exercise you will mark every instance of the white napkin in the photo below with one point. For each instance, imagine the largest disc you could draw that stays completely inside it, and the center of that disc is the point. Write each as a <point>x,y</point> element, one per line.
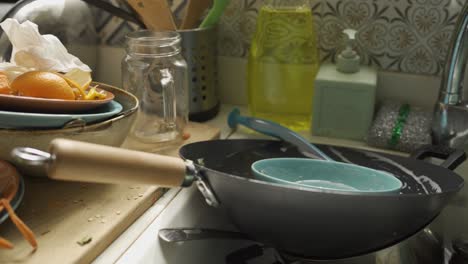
<point>34,51</point>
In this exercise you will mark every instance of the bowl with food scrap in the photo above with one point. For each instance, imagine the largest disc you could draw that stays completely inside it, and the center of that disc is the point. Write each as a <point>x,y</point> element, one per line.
<point>51,92</point>
<point>111,131</point>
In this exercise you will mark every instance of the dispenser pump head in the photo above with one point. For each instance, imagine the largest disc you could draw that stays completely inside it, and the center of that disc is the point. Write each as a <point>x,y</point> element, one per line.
<point>348,60</point>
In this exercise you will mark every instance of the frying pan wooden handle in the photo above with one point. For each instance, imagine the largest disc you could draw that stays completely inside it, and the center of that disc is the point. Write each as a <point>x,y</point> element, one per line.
<point>86,162</point>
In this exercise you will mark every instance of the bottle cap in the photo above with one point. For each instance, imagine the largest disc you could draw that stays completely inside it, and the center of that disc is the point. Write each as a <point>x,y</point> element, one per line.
<point>348,60</point>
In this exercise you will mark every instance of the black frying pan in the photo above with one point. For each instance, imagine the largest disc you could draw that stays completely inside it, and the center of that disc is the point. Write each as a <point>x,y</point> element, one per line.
<point>303,222</point>
<point>320,225</point>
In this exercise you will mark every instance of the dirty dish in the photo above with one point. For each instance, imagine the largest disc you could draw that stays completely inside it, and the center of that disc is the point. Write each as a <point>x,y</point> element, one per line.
<point>301,217</point>
<point>20,120</point>
<point>327,176</point>
<point>323,173</point>
<point>111,131</point>
<point>45,105</point>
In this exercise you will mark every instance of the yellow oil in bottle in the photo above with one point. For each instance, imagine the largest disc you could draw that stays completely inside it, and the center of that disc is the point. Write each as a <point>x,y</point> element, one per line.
<point>283,63</point>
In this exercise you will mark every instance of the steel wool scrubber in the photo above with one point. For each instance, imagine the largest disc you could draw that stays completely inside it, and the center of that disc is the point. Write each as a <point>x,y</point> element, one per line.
<point>400,127</point>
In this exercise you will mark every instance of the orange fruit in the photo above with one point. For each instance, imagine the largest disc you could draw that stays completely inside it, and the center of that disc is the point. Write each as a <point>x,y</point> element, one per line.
<point>4,84</point>
<point>5,90</point>
<point>42,84</point>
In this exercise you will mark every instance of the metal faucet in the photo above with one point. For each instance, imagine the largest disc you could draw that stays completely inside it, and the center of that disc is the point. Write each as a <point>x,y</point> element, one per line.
<point>450,123</point>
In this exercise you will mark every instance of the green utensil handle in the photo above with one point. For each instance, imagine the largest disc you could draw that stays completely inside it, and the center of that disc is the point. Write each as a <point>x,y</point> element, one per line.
<point>214,14</point>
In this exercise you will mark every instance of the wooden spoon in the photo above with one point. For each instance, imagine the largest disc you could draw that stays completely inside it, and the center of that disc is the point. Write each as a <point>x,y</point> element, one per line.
<point>156,14</point>
<point>193,13</point>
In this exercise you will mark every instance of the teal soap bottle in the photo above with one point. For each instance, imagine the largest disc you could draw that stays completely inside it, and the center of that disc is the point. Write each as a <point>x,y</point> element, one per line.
<point>344,99</point>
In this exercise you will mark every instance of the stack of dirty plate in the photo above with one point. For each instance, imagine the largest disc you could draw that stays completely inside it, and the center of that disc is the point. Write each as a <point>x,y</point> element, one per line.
<point>34,122</point>
<point>23,112</point>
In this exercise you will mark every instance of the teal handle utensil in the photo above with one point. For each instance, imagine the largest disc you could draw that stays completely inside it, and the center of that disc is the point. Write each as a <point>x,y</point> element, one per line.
<point>215,13</point>
<point>322,173</point>
<point>275,130</point>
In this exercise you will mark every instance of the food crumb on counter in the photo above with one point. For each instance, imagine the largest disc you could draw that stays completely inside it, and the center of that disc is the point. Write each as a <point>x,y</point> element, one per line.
<point>85,240</point>
<point>90,219</point>
<point>98,216</point>
<point>140,195</point>
<point>117,212</point>
<point>185,135</point>
<point>103,221</point>
<point>45,232</point>
<point>131,187</point>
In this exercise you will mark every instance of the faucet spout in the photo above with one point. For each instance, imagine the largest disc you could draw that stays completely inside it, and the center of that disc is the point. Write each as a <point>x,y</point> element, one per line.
<point>451,90</point>
<point>450,123</point>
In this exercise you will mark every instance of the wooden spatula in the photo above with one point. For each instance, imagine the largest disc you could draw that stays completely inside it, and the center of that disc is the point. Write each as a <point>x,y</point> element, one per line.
<point>156,14</point>
<point>193,13</point>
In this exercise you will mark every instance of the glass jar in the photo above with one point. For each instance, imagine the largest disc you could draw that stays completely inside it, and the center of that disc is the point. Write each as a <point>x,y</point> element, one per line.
<point>283,62</point>
<point>156,73</point>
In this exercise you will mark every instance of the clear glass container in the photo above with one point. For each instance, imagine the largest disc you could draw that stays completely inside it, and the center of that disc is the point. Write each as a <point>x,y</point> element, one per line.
<point>283,63</point>
<point>155,71</point>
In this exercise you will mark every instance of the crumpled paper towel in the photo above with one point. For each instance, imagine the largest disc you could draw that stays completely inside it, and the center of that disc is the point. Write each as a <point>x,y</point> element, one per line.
<point>33,51</point>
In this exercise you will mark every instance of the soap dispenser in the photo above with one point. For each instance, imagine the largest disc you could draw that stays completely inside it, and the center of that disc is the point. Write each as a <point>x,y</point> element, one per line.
<point>343,104</point>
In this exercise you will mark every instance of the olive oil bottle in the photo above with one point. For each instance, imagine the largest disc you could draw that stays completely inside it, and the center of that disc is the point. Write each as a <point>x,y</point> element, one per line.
<point>283,62</point>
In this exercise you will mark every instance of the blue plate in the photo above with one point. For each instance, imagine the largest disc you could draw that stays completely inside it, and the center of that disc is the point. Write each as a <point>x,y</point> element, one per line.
<point>17,120</point>
<point>15,202</point>
<point>325,175</point>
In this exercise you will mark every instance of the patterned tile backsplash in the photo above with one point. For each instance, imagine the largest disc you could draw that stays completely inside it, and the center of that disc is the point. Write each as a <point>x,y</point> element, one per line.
<point>409,36</point>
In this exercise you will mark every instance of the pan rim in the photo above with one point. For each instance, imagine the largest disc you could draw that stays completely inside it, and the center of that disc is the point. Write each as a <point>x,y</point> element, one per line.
<point>202,168</point>
<point>327,192</point>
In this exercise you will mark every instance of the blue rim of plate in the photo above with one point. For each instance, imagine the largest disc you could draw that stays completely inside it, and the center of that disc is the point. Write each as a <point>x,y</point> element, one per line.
<point>22,120</point>
<point>16,201</point>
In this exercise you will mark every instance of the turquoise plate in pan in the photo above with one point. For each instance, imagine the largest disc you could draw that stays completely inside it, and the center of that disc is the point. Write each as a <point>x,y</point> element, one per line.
<point>22,120</point>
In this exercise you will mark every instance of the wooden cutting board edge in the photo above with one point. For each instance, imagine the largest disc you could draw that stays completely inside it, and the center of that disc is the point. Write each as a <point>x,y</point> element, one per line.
<point>61,213</point>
